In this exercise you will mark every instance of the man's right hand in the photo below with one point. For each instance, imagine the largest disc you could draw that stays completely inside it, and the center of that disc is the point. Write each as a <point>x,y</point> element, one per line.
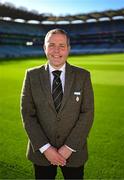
<point>54,157</point>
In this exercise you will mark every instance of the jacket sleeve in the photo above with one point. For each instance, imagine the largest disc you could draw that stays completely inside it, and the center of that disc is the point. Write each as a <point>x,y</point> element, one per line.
<point>78,135</point>
<point>29,117</point>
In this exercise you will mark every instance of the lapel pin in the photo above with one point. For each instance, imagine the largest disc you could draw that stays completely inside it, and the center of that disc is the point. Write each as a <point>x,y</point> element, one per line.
<point>77,98</point>
<point>77,93</point>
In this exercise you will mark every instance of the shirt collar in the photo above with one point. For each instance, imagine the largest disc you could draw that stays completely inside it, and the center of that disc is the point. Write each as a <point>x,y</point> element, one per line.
<point>51,69</point>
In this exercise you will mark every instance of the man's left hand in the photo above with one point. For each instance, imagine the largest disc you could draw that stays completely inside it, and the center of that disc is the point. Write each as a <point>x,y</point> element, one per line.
<point>65,152</point>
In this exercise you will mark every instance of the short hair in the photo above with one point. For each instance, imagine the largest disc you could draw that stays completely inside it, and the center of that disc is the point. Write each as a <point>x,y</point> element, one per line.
<point>57,31</point>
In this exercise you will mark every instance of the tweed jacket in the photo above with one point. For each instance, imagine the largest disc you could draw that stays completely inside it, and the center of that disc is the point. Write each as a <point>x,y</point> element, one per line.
<point>70,126</point>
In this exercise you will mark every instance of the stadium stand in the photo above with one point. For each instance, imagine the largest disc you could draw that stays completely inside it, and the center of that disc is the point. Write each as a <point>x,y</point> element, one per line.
<point>26,39</point>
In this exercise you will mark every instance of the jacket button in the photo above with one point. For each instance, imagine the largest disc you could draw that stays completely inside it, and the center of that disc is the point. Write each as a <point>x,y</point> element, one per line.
<point>58,119</point>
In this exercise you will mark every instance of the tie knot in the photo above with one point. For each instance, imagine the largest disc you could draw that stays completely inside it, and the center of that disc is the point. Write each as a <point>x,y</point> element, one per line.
<point>56,73</point>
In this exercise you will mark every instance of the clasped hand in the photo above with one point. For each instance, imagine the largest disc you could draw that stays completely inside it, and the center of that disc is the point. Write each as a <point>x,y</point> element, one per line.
<point>58,157</point>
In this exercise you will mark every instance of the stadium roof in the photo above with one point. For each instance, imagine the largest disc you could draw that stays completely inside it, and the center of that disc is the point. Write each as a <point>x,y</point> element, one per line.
<point>7,10</point>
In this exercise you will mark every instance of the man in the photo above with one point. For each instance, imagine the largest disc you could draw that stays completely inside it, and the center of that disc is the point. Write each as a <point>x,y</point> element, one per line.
<point>57,110</point>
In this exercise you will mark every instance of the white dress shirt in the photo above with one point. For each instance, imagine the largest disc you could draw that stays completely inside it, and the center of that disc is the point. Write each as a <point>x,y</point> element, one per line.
<point>62,77</point>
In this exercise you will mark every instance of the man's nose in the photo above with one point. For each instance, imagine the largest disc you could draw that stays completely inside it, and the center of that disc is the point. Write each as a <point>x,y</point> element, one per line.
<point>56,49</point>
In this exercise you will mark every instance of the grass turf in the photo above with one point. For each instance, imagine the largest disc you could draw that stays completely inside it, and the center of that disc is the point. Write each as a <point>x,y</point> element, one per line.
<point>106,144</point>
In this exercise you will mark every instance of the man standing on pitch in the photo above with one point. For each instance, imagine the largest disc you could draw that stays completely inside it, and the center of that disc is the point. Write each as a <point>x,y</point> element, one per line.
<point>57,108</point>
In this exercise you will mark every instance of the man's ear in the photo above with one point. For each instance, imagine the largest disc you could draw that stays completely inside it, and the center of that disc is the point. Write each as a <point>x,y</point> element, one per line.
<point>44,47</point>
<point>69,48</point>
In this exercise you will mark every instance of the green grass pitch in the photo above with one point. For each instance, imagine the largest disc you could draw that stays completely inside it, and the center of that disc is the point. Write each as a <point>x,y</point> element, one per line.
<point>106,140</point>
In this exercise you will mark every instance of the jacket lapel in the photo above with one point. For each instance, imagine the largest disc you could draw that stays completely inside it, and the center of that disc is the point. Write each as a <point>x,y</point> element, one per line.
<point>46,86</point>
<point>69,79</point>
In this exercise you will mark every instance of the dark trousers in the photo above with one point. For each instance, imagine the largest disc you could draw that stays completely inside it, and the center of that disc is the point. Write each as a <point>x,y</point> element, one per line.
<point>50,172</point>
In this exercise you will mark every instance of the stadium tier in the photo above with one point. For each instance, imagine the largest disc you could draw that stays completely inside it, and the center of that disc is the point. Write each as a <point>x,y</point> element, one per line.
<point>24,39</point>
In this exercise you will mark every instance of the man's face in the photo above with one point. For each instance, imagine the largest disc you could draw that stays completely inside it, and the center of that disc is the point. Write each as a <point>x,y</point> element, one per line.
<point>56,50</point>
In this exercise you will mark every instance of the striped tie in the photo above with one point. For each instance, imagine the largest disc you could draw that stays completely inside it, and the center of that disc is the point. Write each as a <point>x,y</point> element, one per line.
<point>57,90</point>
